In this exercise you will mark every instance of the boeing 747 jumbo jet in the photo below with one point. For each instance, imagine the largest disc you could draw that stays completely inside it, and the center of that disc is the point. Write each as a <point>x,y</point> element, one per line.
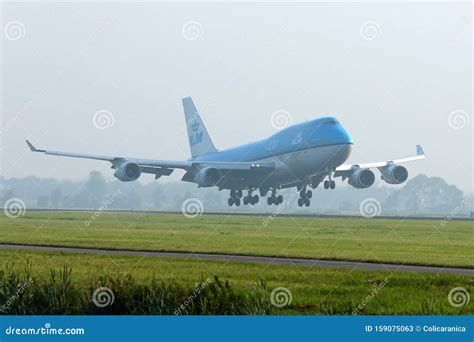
<point>300,156</point>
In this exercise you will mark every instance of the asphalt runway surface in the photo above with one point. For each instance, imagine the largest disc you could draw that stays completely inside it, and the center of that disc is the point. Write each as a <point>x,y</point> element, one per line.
<point>269,260</point>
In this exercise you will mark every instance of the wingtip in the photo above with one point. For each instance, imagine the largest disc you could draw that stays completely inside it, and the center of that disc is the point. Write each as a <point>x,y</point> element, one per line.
<point>419,150</point>
<point>32,147</point>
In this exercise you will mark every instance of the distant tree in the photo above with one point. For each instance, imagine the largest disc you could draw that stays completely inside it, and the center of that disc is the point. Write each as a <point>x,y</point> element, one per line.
<point>424,195</point>
<point>95,188</point>
<point>56,198</point>
<point>6,196</point>
<point>158,197</point>
<point>43,201</point>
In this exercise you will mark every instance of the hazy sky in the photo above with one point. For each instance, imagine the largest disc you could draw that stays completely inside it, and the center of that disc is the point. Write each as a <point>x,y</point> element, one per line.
<point>394,75</point>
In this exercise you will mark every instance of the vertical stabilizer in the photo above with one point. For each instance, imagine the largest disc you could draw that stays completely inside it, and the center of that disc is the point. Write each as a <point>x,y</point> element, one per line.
<point>199,140</point>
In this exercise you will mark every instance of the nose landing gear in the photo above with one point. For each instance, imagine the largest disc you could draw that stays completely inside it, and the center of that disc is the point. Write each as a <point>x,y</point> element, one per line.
<point>330,184</point>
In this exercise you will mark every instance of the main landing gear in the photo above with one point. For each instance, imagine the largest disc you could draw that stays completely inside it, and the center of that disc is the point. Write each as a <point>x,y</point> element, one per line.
<point>236,195</point>
<point>249,199</point>
<point>305,196</point>
<point>274,199</point>
<point>234,198</point>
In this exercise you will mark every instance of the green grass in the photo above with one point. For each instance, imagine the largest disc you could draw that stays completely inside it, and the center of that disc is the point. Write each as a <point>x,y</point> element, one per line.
<point>393,241</point>
<point>314,290</point>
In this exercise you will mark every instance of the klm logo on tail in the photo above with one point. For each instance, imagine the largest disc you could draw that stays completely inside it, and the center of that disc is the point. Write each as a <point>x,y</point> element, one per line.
<point>196,135</point>
<point>195,138</point>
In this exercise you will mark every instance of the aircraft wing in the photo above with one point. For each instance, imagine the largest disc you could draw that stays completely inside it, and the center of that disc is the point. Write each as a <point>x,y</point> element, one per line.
<point>148,164</point>
<point>174,164</point>
<point>420,154</point>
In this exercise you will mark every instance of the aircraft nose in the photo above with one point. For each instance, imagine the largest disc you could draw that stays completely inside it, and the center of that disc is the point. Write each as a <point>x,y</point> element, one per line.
<point>343,135</point>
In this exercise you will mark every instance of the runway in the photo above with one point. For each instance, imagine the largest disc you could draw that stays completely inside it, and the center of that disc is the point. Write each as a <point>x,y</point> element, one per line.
<point>269,260</point>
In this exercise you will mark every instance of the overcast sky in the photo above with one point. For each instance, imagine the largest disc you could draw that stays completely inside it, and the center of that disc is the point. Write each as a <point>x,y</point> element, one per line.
<point>394,75</point>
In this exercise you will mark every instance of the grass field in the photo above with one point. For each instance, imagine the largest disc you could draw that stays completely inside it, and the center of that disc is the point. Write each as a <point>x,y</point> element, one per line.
<point>313,290</point>
<point>394,241</point>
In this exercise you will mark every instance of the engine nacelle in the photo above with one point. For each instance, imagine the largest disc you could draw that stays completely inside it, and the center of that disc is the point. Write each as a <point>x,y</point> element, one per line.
<point>394,174</point>
<point>361,178</point>
<point>128,172</point>
<point>208,176</point>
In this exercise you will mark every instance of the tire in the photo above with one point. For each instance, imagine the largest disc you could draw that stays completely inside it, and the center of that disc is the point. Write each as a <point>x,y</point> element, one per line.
<point>270,200</point>
<point>237,202</point>
<point>280,199</point>
<point>326,184</point>
<point>239,193</point>
<point>307,202</point>
<point>303,194</point>
<point>255,199</point>
<point>245,200</point>
<point>300,202</point>
<point>309,194</point>
<point>230,201</point>
<point>333,185</point>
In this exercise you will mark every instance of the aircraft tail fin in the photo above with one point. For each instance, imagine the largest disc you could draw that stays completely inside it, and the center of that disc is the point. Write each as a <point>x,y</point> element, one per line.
<point>199,140</point>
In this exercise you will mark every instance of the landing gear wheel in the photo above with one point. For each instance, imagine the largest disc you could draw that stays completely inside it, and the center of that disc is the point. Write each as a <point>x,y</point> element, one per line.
<point>230,201</point>
<point>326,184</point>
<point>239,193</point>
<point>303,193</point>
<point>237,202</point>
<point>300,202</point>
<point>280,199</point>
<point>307,202</point>
<point>309,194</point>
<point>255,199</point>
<point>332,184</point>
<point>270,200</point>
<point>246,200</point>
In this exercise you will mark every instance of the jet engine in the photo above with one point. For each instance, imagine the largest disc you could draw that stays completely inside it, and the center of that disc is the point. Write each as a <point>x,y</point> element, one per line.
<point>394,174</point>
<point>208,176</point>
<point>361,178</point>
<point>128,171</point>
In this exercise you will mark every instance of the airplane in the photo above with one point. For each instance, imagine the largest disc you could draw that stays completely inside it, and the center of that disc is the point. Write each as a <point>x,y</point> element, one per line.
<point>300,156</point>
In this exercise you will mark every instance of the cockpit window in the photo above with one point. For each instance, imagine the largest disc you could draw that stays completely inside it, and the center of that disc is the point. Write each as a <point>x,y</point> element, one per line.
<point>331,122</point>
